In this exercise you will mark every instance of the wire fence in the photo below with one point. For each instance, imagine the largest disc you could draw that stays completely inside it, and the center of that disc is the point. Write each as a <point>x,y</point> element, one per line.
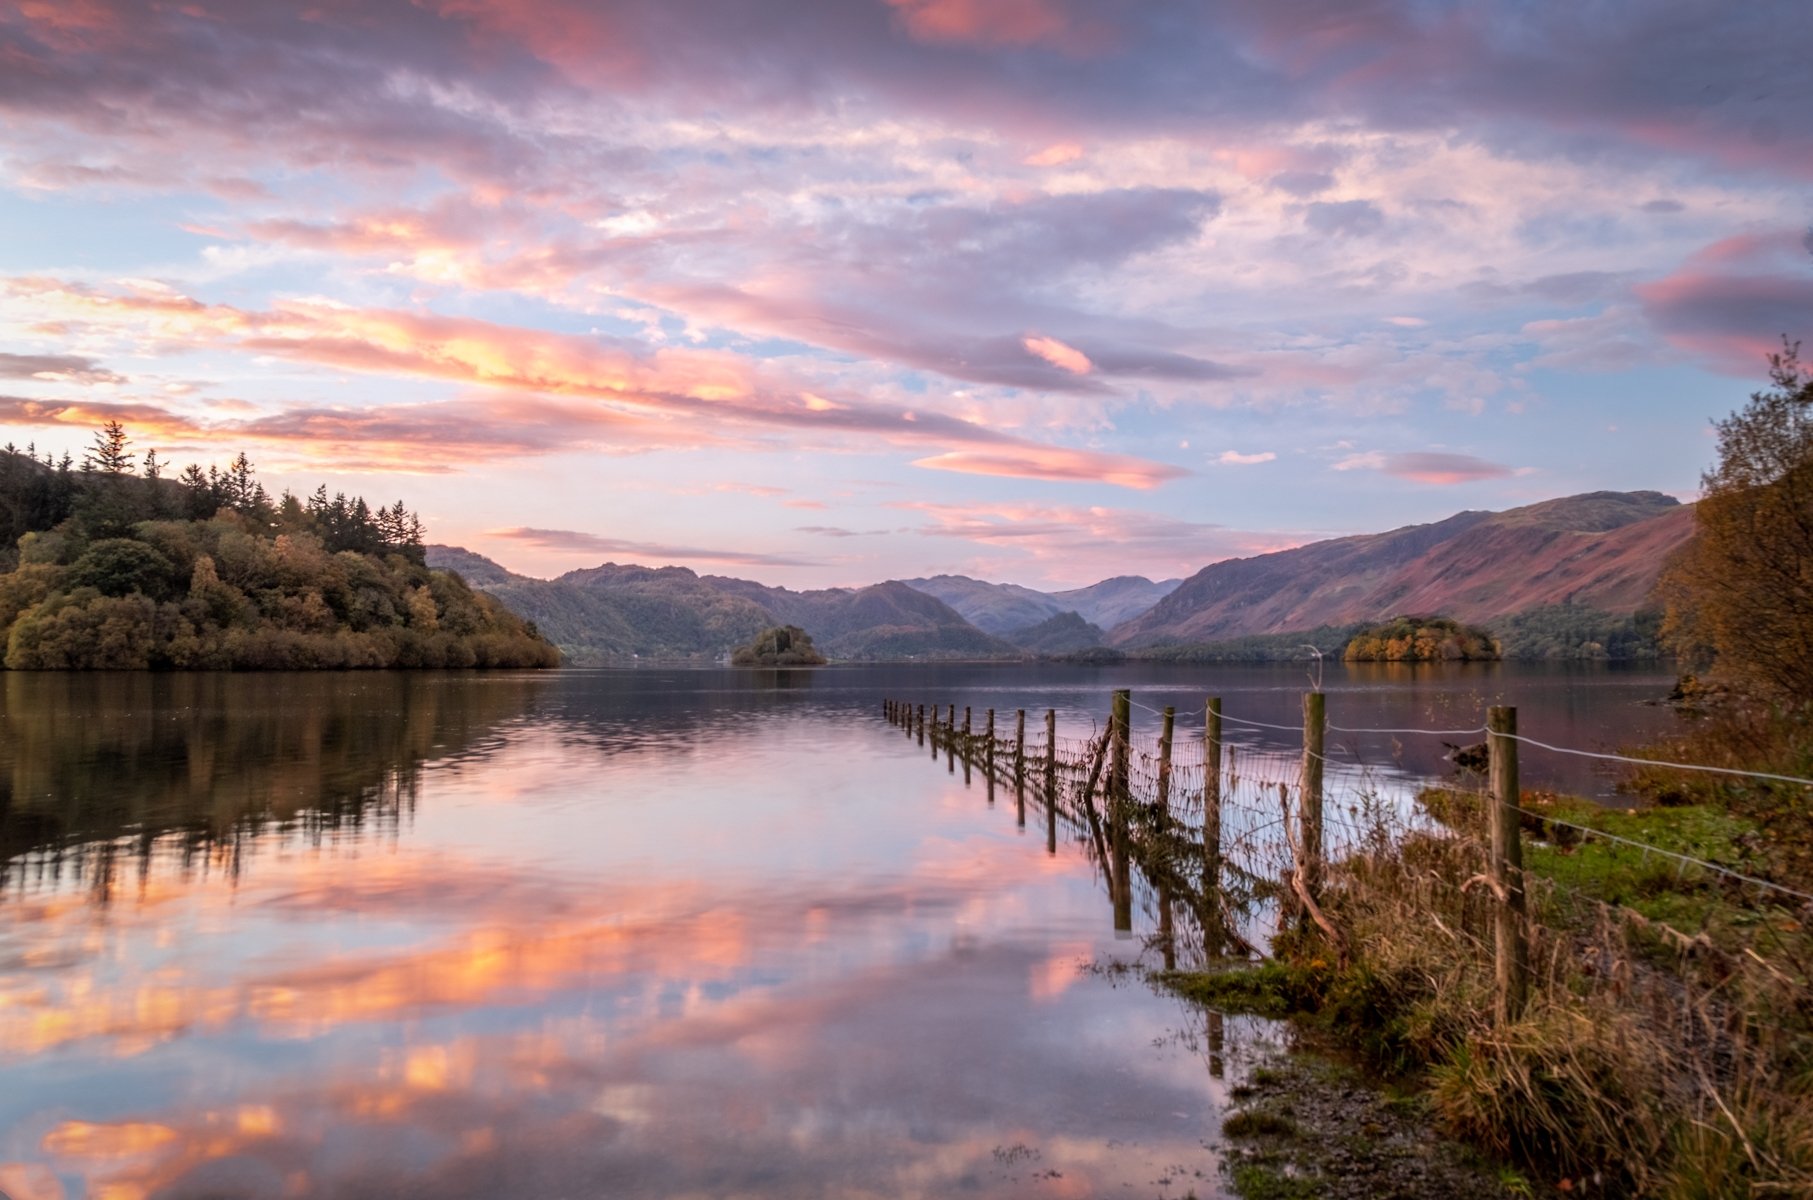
<point>1226,847</point>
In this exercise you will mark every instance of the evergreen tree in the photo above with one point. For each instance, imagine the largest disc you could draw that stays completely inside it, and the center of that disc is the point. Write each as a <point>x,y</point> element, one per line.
<point>108,454</point>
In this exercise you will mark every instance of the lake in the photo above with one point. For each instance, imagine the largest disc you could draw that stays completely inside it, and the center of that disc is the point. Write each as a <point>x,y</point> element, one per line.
<point>633,933</point>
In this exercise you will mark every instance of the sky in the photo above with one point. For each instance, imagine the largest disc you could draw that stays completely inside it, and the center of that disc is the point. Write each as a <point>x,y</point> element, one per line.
<point>824,292</point>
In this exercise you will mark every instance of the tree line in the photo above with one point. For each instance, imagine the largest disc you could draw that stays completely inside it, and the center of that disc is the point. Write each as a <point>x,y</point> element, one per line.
<point>109,492</point>
<point>112,567</point>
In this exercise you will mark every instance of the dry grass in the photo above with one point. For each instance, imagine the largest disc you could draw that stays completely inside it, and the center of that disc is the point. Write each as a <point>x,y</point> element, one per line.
<point>1649,1061</point>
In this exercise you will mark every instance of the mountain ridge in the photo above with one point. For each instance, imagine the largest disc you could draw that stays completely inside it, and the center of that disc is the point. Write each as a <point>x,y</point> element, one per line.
<point>1599,550</point>
<point>1595,552</point>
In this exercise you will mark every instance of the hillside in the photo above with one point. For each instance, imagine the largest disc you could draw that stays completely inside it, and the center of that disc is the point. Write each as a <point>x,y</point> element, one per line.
<point>1114,601</point>
<point>617,612</point>
<point>1600,551</point>
<point>1003,608</point>
<point>1065,633</point>
<point>997,608</point>
<point>881,621</point>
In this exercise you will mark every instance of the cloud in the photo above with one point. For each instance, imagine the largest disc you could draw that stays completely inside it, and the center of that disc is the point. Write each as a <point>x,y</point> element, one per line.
<point>1056,465</point>
<point>1344,218</point>
<point>1427,466</point>
<point>670,396</point>
<point>1054,155</point>
<point>55,368</point>
<point>1076,545</point>
<point>1733,301</point>
<point>568,541</point>
<point>1303,183</point>
<point>1235,458</point>
<point>1066,358</point>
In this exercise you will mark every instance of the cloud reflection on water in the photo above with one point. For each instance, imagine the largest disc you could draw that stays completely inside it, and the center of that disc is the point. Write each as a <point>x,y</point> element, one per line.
<point>418,1011</point>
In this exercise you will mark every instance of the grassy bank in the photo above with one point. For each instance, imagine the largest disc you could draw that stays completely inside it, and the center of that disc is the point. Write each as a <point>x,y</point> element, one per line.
<point>1667,1046</point>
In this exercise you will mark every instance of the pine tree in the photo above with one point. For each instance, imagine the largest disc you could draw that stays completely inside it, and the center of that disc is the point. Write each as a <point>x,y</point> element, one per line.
<point>108,454</point>
<point>153,469</point>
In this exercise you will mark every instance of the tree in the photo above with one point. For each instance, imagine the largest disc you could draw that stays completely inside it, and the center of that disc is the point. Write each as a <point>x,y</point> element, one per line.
<point>1741,593</point>
<point>108,454</point>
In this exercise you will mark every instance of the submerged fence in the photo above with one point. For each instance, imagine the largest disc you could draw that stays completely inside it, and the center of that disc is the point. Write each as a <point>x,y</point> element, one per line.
<point>1227,848</point>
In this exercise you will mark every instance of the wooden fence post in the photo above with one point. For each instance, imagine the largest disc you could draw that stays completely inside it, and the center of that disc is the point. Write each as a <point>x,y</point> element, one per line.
<point>1020,749</point>
<point>1315,725</point>
<point>1164,761</point>
<point>921,722</point>
<point>990,766</point>
<point>1119,720</point>
<point>1211,826</point>
<point>1051,757</point>
<point>1511,952</point>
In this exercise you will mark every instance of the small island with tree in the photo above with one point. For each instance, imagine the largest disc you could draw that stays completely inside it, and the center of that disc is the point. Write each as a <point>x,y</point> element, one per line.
<point>782,646</point>
<point>1422,639</point>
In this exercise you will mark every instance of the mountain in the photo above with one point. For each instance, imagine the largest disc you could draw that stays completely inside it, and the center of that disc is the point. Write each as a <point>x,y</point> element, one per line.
<point>1600,551</point>
<point>883,620</point>
<point>1004,608</point>
<point>1114,601</point>
<point>615,611</point>
<point>997,608</point>
<point>1065,633</point>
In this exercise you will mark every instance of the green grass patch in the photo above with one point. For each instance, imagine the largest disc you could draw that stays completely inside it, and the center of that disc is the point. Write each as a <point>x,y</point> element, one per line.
<point>1264,1181</point>
<point>1271,989</point>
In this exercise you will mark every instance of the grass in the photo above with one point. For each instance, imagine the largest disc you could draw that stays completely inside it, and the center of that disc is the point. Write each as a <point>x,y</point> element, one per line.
<point>1258,1122</point>
<point>1270,1181</point>
<point>1667,1048</point>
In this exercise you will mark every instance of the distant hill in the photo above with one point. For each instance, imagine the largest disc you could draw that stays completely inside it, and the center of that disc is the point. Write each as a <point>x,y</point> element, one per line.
<point>1115,601</point>
<point>615,612</point>
<point>1003,608</point>
<point>884,620</point>
<point>1065,633</point>
<point>997,608</point>
<point>1601,551</point>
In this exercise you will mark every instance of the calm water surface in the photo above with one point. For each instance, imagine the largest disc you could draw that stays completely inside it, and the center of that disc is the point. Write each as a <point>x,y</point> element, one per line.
<point>656,933</point>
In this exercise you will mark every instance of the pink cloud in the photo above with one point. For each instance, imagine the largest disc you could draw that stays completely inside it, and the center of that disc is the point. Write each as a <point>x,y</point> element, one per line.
<point>1056,464</point>
<point>1735,300</point>
<point>670,396</point>
<point>983,22</point>
<point>1059,355</point>
<point>1055,155</point>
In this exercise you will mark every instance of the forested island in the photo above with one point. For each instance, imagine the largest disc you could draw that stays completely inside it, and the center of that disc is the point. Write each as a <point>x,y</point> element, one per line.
<point>109,566</point>
<point>1422,639</point>
<point>782,646</point>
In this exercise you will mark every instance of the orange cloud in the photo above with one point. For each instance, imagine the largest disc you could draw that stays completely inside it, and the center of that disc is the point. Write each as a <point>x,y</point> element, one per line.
<point>661,398</point>
<point>1055,155</point>
<point>1066,358</point>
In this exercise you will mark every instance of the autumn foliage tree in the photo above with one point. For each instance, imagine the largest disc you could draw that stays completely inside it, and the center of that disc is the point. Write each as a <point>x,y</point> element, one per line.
<point>1740,595</point>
